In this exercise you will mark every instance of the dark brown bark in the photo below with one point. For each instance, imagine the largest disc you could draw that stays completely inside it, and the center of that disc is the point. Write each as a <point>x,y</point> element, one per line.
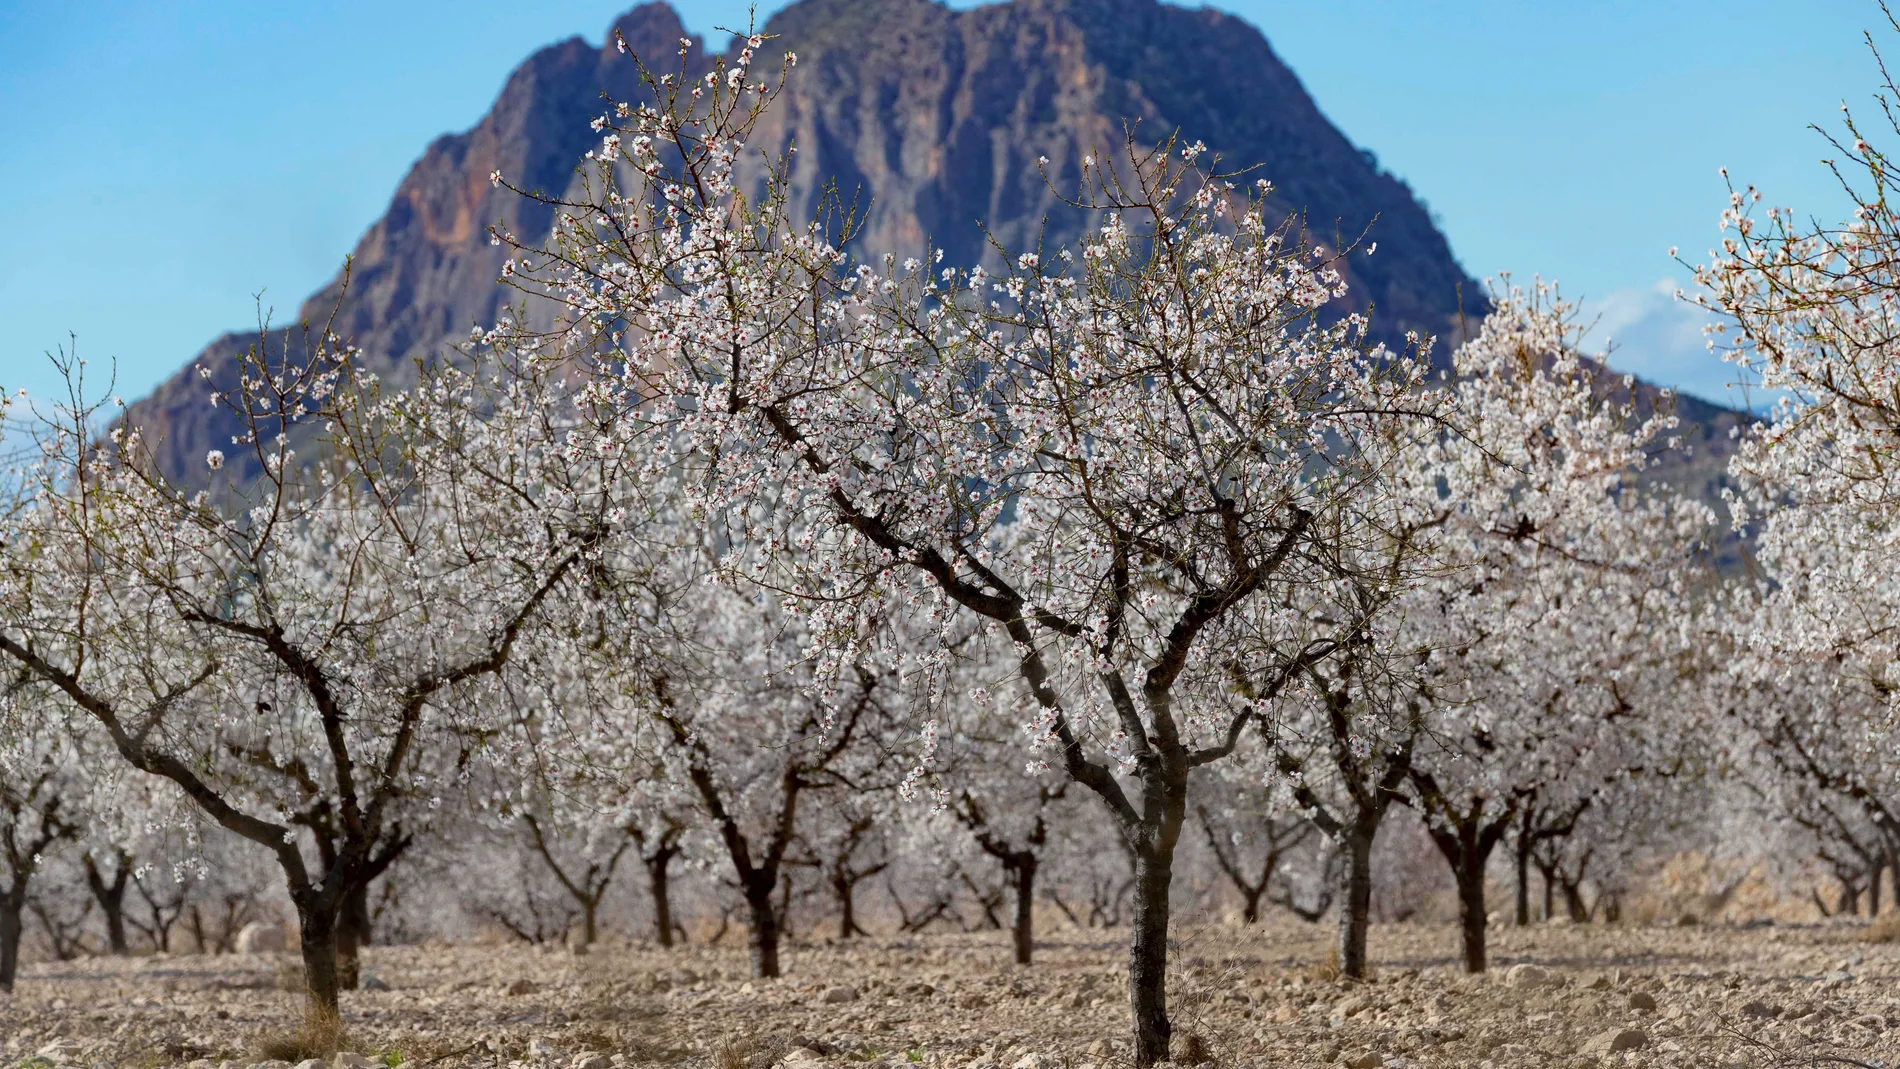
<point>1573,901</point>
<point>1465,835</point>
<point>1522,860</point>
<point>587,888</point>
<point>757,866</point>
<point>1024,873</point>
<point>1148,958</point>
<point>844,877</point>
<point>1280,839</point>
<point>162,912</point>
<point>659,886</point>
<point>316,924</point>
<point>762,936</point>
<point>1019,862</point>
<point>1471,918</point>
<point>1371,786</point>
<point>1355,902</point>
<point>12,907</point>
<point>111,898</point>
<point>352,934</point>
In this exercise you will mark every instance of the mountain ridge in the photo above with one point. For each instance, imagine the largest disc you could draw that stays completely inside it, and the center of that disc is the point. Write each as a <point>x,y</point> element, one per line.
<point>936,115</point>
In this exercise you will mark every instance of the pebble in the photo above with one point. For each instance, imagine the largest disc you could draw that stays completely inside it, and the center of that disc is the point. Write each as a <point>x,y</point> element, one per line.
<point>1616,1041</point>
<point>1527,975</point>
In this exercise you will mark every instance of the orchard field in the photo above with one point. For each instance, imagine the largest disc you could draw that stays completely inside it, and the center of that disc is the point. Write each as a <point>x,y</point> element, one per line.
<point>1100,655</point>
<point>1569,996</point>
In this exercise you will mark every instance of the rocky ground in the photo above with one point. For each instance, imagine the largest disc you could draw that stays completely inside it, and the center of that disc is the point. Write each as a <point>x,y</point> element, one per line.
<point>1556,996</point>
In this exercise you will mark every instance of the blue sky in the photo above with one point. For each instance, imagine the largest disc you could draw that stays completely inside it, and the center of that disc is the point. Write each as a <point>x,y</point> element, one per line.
<point>163,163</point>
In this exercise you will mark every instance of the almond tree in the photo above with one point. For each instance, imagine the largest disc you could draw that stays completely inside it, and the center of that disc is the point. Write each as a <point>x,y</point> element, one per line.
<point>742,726</point>
<point>1008,812</point>
<point>1555,612</point>
<point>298,654</point>
<point>1121,457</point>
<point>47,791</point>
<point>1811,313</point>
<point>1246,818</point>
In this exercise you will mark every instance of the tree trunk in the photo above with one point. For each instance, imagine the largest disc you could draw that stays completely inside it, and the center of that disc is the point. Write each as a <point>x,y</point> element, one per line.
<point>10,928</point>
<point>590,911</point>
<point>317,925</point>
<point>1148,957</point>
<point>1471,914</point>
<point>1466,841</point>
<point>1355,903</point>
<point>352,933</point>
<point>1024,869</point>
<point>1250,904</point>
<point>1850,899</point>
<point>657,885</point>
<point>1573,902</point>
<point>348,966</point>
<point>196,921</point>
<point>1550,892</point>
<point>111,899</point>
<point>1524,877</point>
<point>764,933</point>
<point>846,893</point>
<point>1873,887</point>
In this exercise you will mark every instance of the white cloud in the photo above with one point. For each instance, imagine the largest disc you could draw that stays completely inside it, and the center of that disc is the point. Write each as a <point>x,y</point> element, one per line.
<point>1656,337</point>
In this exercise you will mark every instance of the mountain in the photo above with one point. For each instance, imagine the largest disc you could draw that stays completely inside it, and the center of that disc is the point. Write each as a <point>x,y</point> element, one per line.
<point>934,117</point>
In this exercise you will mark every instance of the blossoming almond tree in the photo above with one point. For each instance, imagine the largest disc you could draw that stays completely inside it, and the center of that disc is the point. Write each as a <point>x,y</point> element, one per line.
<point>1120,457</point>
<point>49,792</point>
<point>747,732</point>
<point>1550,626</point>
<point>296,654</point>
<point>1812,311</point>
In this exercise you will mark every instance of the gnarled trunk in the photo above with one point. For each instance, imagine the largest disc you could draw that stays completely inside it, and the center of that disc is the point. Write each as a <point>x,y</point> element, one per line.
<point>1471,917</point>
<point>317,926</point>
<point>659,886</point>
<point>1148,957</point>
<point>352,934</point>
<point>590,929</point>
<point>12,905</point>
<point>1355,901</point>
<point>111,899</point>
<point>1523,859</point>
<point>762,938</point>
<point>1024,871</point>
<point>1250,905</point>
<point>1573,901</point>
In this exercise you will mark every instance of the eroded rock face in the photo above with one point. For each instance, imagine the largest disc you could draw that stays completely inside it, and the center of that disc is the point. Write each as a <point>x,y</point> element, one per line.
<point>936,117</point>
